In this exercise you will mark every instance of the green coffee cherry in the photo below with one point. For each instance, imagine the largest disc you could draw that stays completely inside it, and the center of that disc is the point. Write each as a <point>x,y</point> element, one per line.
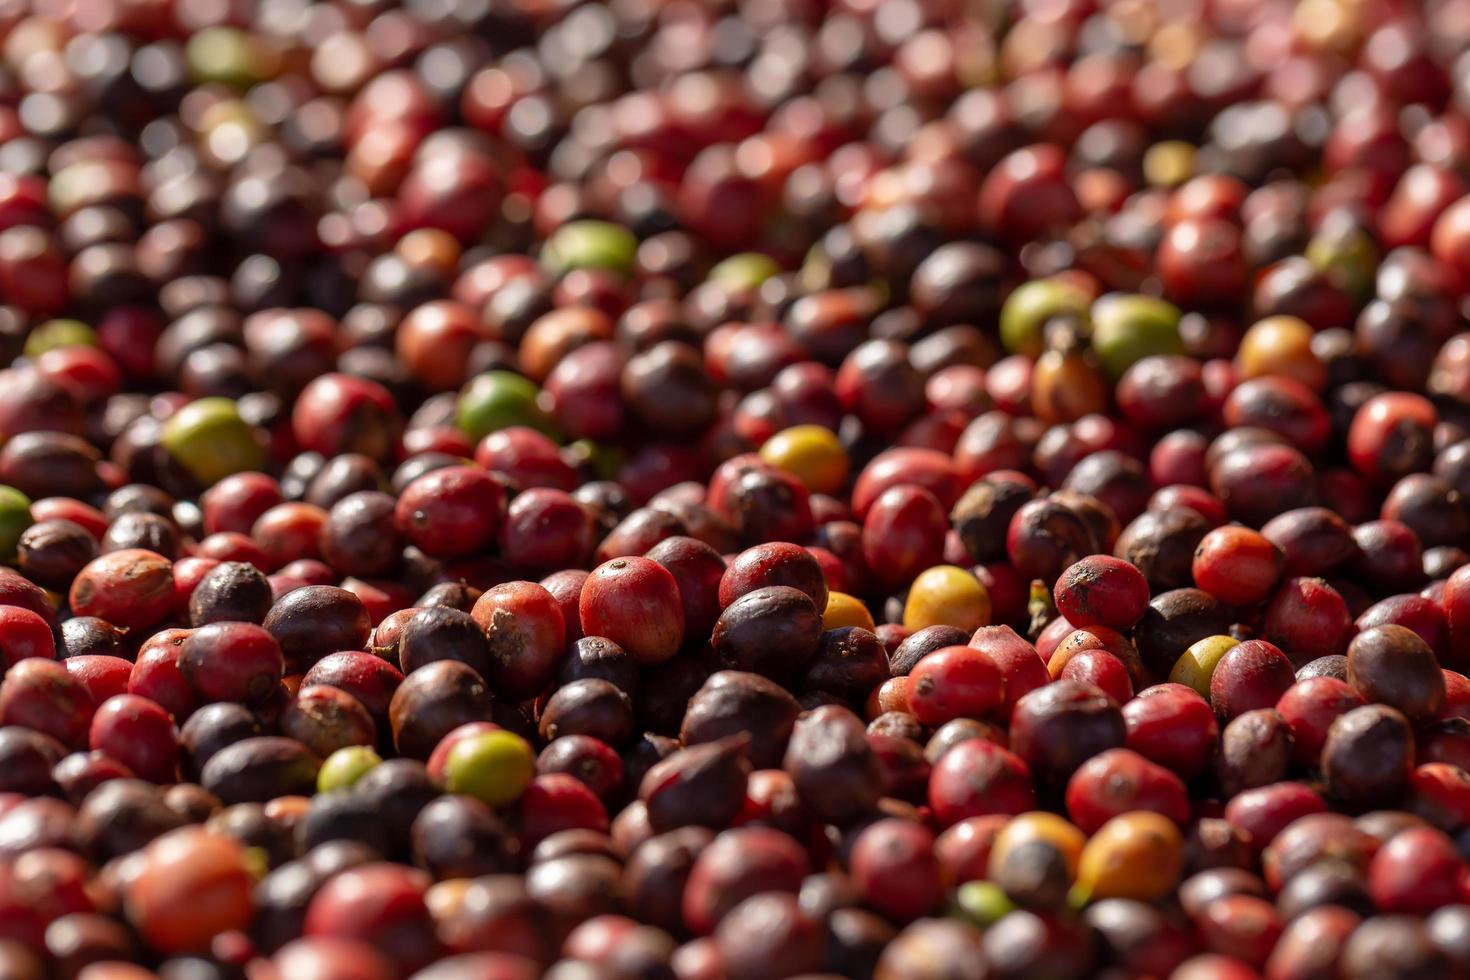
<point>210,440</point>
<point>15,517</point>
<point>743,272</point>
<point>495,768</point>
<point>498,400</point>
<point>1126,328</point>
<point>1344,252</point>
<point>982,903</point>
<point>59,333</point>
<point>345,767</point>
<point>224,55</point>
<point>1030,305</point>
<point>602,460</point>
<point>590,244</point>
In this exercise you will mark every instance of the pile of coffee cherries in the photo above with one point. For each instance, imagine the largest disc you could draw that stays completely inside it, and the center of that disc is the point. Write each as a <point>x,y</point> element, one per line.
<point>734,489</point>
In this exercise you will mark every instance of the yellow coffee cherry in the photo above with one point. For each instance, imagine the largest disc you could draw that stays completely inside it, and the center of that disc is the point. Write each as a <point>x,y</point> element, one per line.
<point>1329,25</point>
<point>811,453</point>
<point>1280,346</point>
<point>1038,825</point>
<point>947,595</point>
<point>429,248</point>
<point>845,610</point>
<point>1168,164</point>
<point>1196,666</point>
<point>1138,855</point>
<point>446,898</point>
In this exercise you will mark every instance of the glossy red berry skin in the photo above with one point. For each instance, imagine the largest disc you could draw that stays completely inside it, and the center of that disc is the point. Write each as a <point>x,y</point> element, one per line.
<point>139,734</point>
<point>1020,664</point>
<point>977,778</point>
<point>1101,590</point>
<point>1100,669</point>
<point>237,501</point>
<point>131,588</point>
<point>635,603</point>
<point>525,636</point>
<point>895,869</point>
<point>451,512</point>
<point>527,457</point>
<point>156,674</point>
<point>1308,619</point>
<point>1416,872</point>
<point>1392,435</point>
<point>903,534</point>
<point>1254,674</point>
<point>546,530</point>
<point>339,413</point>
<point>102,675</point>
<point>954,682</point>
<point>1170,724</point>
<point>381,904</point>
<point>1244,927</point>
<point>1310,707</point>
<point>776,563</point>
<point>1027,193</point>
<point>1237,565</point>
<point>42,696</point>
<point>1267,810</point>
<point>1120,781</point>
<point>555,802</point>
<point>24,634</point>
<point>1456,602</point>
<point>232,662</point>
